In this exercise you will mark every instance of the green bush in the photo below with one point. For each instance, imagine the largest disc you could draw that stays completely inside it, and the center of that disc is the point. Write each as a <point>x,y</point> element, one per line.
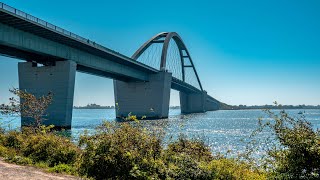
<point>19,160</point>
<point>13,139</point>
<point>300,155</point>
<point>50,148</point>
<point>40,146</point>
<point>194,148</point>
<point>63,168</point>
<point>117,152</point>
<point>192,159</point>
<point>224,168</point>
<point>3,150</point>
<point>183,158</point>
<point>183,166</point>
<point>293,150</point>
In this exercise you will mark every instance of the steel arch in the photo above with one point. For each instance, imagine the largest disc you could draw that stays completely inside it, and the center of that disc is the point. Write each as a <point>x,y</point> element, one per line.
<point>182,47</point>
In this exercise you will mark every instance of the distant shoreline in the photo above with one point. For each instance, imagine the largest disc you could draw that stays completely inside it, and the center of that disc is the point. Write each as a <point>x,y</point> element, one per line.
<point>93,108</point>
<point>77,107</point>
<point>245,107</point>
<point>222,108</point>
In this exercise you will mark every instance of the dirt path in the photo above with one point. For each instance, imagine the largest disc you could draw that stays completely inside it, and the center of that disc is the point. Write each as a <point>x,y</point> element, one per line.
<point>11,171</point>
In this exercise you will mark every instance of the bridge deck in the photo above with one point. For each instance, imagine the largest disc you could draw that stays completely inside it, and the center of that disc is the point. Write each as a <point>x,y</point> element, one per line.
<point>28,23</point>
<point>14,22</point>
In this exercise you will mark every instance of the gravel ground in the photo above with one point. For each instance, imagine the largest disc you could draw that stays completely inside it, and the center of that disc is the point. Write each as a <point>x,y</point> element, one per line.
<point>12,171</point>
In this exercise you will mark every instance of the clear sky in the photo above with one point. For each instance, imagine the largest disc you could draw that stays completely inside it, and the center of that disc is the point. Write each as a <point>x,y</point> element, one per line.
<point>246,52</point>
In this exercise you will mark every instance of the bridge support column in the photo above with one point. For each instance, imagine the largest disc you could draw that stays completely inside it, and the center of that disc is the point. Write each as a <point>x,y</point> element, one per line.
<point>150,99</point>
<point>58,79</point>
<point>212,106</point>
<point>193,103</point>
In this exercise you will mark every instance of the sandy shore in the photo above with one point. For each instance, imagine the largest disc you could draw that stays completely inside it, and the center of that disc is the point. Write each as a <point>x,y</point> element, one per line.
<point>12,171</point>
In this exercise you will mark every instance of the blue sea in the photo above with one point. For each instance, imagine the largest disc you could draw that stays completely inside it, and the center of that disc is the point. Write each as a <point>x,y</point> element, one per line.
<point>223,130</point>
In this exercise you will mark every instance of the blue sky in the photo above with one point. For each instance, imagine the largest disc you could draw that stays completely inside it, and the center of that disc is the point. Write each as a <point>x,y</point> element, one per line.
<point>246,52</point>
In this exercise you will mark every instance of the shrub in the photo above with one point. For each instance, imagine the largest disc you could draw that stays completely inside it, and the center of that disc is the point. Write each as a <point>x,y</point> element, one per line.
<point>224,168</point>
<point>19,160</point>
<point>194,148</point>
<point>294,149</point>
<point>51,149</point>
<point>3,150</point>
<point>40,146</point>
<point>119,152</point>
<point>13,139</point>
<point>63,168</point>
<point>183,159</point>
<point>183,166</point>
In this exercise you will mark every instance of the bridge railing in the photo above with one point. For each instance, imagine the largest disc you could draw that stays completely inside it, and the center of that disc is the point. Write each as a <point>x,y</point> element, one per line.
<point>54,28</point>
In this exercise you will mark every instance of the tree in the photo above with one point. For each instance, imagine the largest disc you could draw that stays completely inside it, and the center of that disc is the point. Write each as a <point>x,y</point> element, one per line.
<point>27,105</point>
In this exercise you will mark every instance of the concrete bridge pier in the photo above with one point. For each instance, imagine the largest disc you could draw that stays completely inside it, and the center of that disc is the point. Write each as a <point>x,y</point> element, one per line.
<point>150,99</point>
<point>212,106</point>
<point>58,79</point>
<point>193,102</point>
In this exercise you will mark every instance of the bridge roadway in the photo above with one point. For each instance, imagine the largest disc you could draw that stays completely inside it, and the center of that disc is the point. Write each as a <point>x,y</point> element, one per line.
<point>26,37</point>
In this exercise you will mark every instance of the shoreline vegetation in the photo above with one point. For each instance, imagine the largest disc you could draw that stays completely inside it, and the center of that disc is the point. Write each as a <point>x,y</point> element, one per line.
<point>121,151</point>
<point>127,150</point>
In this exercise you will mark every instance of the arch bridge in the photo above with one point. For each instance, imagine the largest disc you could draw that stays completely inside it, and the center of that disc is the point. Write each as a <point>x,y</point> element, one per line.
<point>142,83</point>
